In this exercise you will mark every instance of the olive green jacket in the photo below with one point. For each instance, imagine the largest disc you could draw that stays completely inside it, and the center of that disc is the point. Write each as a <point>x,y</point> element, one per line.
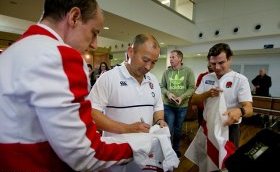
<point>180,82</point>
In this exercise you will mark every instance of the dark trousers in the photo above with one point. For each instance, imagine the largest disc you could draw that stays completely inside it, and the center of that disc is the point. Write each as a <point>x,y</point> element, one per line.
<point>234,134</point>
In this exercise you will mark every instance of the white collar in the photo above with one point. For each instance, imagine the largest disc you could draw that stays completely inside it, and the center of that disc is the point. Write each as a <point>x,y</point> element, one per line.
<point>52,31</point>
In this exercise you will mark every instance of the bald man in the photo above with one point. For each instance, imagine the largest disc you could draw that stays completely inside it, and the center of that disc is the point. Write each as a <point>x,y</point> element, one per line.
<point>262,83</point>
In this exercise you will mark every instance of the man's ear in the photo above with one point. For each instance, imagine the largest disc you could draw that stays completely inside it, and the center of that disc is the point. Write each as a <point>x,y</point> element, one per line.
<point>74,16</point>
<point>130,51</point>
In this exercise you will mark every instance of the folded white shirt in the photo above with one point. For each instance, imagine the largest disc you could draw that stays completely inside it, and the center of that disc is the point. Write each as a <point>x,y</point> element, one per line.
<point>151,151</point>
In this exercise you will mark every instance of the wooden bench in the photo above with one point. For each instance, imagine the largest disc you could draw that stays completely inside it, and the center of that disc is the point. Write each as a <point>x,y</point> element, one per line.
<point>262,105</point>
<point>266,105</point>
<point>275,107</point>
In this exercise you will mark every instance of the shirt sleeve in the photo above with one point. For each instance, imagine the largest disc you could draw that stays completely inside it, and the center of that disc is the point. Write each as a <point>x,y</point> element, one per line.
<point>163,84</point>
<point>57,86</point>
<point>190,86</point>
<point>244,92</point>
<point>198,81</point>
<point>201,88</point>
<point>159,103</point>
<point>99,94</point>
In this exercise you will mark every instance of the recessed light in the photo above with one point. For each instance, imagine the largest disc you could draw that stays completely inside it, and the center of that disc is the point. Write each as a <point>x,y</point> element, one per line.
<point>165,1</point>
<point>106,28</point>
<point>87,56</point>
<point>161,43</point>
<point>258,27</point>
<point>235,30</point>
<point>198,54</point>
<point>217,32</point>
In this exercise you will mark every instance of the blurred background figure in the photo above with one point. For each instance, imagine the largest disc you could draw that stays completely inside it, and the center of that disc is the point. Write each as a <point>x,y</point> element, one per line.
<point>262,83</point>
<point>201,75</point>
<point>90,74</point>
<point>199,108</point>
<point>102,69</point>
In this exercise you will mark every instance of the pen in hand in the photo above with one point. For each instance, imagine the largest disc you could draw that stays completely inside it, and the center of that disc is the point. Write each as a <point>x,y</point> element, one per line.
<point>144,126</point>
<point>142,120</point>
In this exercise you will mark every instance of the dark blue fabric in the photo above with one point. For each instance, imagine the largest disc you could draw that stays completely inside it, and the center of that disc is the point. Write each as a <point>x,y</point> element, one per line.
<point>175,118</point>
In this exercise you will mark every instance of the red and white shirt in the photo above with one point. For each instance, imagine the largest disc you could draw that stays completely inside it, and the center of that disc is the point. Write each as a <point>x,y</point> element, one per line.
<point>211,145</point>
<point>46,122</point>
<point>235,86</point>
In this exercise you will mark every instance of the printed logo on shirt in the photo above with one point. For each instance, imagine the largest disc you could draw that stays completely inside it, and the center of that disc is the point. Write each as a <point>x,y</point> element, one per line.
<point>228,84</point>
<point>209,82</point>
<point>148,77</point>
<point>177,82</point>
<point>123,83</point>
<point>153,94</point>
<point>151,85</point>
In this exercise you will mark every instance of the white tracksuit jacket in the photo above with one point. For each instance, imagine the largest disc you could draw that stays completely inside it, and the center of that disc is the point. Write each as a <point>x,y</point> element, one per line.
<point>45,118</point>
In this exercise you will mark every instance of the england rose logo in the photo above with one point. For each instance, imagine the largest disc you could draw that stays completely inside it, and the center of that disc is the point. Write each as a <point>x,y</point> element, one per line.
<point>229,84</point>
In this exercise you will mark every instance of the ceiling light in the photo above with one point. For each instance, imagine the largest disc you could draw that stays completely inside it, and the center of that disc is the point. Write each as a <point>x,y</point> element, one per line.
<point>258,27</point>
<point>87,56</point>
<point>161,43</point>
<point>106,28</point>
<point>235,30</point>
<point>198,54</point>
<point>165,1</point>
<point>217,32</point>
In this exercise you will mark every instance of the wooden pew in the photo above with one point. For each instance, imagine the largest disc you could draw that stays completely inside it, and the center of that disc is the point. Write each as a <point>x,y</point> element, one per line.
<point>275,106</point>
<point>262,105</point>
<point>269,106</point>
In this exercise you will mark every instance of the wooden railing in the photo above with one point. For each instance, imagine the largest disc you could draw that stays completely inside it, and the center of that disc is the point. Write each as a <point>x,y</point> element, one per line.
<point>266,105</point>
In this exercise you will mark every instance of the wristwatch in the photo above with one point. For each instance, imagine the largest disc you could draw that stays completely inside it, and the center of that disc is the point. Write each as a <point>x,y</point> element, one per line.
<point>242,111</point>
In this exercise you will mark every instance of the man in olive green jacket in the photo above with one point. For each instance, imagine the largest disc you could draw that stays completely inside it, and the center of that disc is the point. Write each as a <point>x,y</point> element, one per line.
<point>177,86</point>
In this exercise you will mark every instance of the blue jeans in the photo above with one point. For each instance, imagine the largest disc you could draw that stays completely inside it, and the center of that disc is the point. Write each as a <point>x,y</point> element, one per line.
<point>175,118</point>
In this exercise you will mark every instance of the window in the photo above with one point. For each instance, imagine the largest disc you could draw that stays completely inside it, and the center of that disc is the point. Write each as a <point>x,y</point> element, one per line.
<point>184,7</point>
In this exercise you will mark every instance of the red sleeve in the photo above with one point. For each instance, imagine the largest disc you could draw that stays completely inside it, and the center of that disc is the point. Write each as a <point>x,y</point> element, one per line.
<point>198,81</point>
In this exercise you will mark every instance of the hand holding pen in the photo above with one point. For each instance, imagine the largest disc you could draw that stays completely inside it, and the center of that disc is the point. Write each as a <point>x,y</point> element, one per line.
<point>138,127</point>
<point>143,126</point>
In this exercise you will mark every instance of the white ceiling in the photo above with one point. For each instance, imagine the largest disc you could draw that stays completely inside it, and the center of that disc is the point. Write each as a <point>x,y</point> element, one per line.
<point>121,30</point>
<point>129,20</point>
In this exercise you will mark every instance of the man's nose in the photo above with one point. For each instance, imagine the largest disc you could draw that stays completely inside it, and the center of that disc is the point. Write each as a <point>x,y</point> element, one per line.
<point>218,66</point>
<point>93,44</point>
<point>148,66</point>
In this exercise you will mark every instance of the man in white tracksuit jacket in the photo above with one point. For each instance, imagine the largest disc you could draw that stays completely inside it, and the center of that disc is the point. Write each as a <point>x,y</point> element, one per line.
<point>46,122</point>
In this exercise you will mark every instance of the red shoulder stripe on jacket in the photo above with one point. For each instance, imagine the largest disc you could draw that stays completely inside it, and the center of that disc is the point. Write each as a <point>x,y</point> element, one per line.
<point>73,67</point>
<point>36,30</point>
